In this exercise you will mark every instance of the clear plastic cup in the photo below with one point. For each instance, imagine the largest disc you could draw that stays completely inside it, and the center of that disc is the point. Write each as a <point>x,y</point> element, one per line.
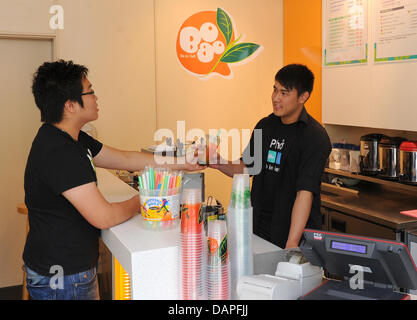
<point>218,270</point>
<point>239,222</point>
<point>207,149</point>
<point>240,182</point>
<point>192,218</point>
<point>191,195</point>
<point>192,256</point>
<point>218,282</point>
<point>241,196</point>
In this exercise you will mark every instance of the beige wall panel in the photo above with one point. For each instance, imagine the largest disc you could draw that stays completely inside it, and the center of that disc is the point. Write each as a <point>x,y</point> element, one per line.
<point>115,40</point>
<point>216,103</point>
<point>25,16</point>
<point>140,88</point>
<point>19,123</point>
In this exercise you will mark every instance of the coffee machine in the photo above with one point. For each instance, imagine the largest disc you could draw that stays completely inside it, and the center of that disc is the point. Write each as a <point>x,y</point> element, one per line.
<point>369,163</point>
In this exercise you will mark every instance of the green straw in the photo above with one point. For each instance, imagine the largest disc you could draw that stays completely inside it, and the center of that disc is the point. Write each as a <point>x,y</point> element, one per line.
<point>151,178</point>
<point>165,185</point>
<point>140,182</point>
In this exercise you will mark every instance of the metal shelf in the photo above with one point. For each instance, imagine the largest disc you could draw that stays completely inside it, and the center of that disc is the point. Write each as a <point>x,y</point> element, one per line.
<point>391,184</point>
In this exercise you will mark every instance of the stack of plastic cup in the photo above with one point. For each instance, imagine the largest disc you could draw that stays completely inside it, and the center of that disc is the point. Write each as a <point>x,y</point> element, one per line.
<point>192,248</point>
<point>218,273</point>
<point>239,223</point>
<point>240,192</point>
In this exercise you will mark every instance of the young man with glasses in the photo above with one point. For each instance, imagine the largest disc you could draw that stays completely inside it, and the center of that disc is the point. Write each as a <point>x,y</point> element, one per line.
<point>66,209</point>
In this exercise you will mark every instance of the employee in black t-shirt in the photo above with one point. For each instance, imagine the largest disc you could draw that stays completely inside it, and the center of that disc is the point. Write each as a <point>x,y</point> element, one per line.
<point>66,209</point>
<point>286,192</point>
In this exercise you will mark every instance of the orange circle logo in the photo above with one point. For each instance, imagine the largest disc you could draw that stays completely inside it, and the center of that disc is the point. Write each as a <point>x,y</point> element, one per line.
<point>206,44</point>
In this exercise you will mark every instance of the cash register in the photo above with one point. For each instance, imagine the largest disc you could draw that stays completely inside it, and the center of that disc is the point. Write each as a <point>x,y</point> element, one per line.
<point>365,268</point>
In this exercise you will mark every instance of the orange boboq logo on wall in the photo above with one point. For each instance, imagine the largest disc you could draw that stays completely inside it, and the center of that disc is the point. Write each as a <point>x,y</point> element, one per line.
<point>207,45</point>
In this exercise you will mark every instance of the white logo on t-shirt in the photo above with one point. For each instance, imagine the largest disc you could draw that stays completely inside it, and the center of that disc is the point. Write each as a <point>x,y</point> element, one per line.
<point>276,144</point>
<point>90,157</point>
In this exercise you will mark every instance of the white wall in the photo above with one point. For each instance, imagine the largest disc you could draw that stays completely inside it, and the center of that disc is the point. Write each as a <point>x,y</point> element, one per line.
<point>25,16</point>
<point>381,95</point>
<point>115,40</point>
<point>19,121</point>
<point>352,134</point>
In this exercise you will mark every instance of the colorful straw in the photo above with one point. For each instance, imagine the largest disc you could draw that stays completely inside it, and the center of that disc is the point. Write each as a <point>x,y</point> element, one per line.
<point>160,179</point>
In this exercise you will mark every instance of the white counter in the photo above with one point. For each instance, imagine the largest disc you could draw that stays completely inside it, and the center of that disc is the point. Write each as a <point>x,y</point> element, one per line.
<point>151,257</point>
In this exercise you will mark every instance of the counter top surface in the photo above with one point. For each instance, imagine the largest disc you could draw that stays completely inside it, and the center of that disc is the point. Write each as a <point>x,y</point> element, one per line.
<point>113,188</point>
<point>375,204</point>
<point>133,237</point>
<point>140,251</point>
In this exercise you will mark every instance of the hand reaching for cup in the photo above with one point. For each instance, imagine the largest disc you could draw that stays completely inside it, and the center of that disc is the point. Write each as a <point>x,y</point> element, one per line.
<point>191,161</point>
<point>216,160</point>
<point>207,154</point>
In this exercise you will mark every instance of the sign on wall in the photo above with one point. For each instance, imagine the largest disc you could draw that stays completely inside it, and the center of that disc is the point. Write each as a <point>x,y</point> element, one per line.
<point>345,32</point>
<point>207,45</point>
<point>395,30</point>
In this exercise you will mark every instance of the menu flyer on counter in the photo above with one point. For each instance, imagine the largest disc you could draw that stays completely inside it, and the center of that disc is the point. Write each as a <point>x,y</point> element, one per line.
<point>395,30</point>
<point>346,32</point>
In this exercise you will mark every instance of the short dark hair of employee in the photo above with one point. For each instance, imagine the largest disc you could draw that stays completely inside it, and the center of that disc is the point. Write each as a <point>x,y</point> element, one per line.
<point>54,83</point>
<point>296,76</point>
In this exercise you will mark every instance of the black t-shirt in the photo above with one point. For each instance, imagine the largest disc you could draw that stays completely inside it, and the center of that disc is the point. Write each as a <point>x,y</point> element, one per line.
<point>58,233</point>
<point>293,159</point>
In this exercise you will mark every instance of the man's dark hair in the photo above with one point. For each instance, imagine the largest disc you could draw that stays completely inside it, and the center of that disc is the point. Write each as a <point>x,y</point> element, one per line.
<point>296,76</point>
<point>55,83</point>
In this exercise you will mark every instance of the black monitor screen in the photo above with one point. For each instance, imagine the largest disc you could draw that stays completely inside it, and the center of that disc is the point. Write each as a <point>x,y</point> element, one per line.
<point>390,262</point>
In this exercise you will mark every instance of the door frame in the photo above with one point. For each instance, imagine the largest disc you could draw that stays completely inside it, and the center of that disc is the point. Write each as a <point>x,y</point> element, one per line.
<point>30,36</point>
<point>50,40</point>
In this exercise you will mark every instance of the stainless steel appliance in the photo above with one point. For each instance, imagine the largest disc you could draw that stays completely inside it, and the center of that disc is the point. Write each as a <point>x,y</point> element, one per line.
<point>389,157</point>
<point>369,153</point>
<point>408,162</point>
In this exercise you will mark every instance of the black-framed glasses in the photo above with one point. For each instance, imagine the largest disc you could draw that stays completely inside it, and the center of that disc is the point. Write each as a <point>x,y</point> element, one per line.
<point>88,93</point>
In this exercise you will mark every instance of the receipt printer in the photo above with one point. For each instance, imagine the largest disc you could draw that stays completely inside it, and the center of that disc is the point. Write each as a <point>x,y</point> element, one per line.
<point>294,277</point>
<point>365,268</point>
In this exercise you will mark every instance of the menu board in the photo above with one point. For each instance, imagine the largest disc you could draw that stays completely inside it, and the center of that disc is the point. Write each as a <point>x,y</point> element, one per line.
<point>395,30</point>
<point>346,32</point>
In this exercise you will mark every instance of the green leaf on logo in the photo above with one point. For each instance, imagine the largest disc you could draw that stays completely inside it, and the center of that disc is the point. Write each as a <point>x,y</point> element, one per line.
<point>225,25</point>
<point>223,249</point>
<point>239,52</point>
<point>200,215</point>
